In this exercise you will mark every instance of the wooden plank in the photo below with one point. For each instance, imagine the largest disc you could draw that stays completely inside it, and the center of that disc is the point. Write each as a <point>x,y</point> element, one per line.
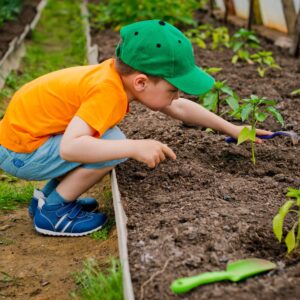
<point>294,50</point>
<point>251,12</point>
<point>290,14</point>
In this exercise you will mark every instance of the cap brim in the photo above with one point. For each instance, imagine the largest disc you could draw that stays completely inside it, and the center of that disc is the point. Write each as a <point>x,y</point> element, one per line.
<point>195,82</point>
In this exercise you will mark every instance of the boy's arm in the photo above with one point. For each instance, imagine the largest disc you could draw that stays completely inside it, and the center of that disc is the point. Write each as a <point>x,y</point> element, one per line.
<point>78,144</point>
<point>193,113</point>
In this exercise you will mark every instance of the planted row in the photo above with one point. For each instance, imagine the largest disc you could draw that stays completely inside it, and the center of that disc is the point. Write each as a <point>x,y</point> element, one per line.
<point>242,43</point>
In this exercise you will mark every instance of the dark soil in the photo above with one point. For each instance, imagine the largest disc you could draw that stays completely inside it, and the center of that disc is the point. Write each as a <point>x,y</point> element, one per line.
<point>211,205</point>
<point>13,29</point>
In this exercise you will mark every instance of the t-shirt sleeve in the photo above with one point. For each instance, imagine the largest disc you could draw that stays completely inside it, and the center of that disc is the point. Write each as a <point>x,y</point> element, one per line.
<point>102,108</point>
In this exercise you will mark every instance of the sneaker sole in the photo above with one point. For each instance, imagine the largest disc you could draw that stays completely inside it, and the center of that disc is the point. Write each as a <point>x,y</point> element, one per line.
<point>54,233</point>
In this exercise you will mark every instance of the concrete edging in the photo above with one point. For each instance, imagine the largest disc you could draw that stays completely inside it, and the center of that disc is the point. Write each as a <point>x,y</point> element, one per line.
<point>12,57</point>
<point>120,216</point>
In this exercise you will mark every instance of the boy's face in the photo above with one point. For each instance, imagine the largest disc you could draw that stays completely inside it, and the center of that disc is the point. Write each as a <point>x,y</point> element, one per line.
<point>154,95</point>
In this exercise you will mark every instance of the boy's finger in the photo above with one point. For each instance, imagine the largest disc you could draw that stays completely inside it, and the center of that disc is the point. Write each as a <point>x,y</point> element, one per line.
<point>263,132</point>
<point>169,152</point>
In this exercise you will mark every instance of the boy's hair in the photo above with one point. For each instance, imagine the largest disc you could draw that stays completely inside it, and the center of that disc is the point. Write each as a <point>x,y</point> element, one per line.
<point>124,69</point>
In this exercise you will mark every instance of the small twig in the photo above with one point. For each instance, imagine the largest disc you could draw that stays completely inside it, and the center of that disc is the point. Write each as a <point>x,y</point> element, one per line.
<point>152,277</point>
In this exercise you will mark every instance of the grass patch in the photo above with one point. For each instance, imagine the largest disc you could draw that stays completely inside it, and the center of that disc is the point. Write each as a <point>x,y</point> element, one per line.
<point>107,207</point>
<point>103,234</point>
<point>96,284</point>
<point>12,194</point>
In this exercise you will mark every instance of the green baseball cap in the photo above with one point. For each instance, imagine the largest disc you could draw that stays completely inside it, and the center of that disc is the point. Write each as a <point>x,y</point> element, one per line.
<point>158,48</point>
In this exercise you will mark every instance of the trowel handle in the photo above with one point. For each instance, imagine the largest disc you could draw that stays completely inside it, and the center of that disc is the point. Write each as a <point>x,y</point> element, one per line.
<point>183,285</point>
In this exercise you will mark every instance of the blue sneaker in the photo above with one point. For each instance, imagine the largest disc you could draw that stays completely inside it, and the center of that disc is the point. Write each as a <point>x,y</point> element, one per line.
<point>67,219</point>
<point>88,204</point>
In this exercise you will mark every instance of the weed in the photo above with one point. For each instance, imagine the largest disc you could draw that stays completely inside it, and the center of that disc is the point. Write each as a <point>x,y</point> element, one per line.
<point>99,285</point>
<point>290,206</point>
<point>257,109</point>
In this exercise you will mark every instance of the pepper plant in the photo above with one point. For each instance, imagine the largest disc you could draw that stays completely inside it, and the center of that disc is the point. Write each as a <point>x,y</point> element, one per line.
<point>220,93</point>
<point>241,42</point>
<point>255,109</point>
<point>290,206</point>
<point>265,60</point>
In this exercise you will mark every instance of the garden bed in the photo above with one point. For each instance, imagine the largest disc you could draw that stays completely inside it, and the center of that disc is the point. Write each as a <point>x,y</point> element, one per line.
<point>14,28</point>
<point>211,205</point>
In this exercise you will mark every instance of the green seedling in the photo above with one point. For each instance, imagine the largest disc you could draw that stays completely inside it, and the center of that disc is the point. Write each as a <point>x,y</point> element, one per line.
<point>199,36</point>
<point>220,93</point>
<point>265,60</point>
<point>220,38</point>
<point>241,42</point>
<point>295,92</point>
<point>290,206</point>
<point>256,109</point>
<point>212,70</point>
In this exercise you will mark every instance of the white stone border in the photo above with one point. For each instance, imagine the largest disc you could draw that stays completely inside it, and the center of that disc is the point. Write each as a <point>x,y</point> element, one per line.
<point>16,50</point>
<point>120,216</point>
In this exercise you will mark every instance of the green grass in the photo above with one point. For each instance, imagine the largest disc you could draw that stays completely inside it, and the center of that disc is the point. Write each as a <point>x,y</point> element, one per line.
<point>14,194</point>
<point>96,284</point>
<point>103,234</point>
<point>107,208</point>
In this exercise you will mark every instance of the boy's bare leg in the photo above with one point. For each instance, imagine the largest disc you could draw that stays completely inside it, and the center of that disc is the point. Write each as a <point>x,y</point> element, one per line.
<point>79,181</point>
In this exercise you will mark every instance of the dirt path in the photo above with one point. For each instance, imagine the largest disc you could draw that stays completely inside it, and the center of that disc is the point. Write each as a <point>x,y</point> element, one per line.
<point>40,267</point>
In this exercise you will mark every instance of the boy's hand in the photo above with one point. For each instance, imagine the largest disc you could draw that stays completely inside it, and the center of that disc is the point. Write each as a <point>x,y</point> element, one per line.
<point>151,152</point>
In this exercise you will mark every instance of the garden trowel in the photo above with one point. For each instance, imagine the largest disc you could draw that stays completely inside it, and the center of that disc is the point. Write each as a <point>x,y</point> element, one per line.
<point>235,271</point>
<point>293,135</point>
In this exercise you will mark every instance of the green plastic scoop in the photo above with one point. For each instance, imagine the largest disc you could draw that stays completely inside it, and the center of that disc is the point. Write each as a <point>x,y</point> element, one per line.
<point>236,271</point>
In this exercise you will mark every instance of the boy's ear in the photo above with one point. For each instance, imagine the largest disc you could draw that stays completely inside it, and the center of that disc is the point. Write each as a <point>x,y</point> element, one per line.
<point>140,82</point>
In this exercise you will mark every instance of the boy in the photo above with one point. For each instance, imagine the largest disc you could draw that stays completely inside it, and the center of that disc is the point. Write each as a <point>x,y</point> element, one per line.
<point>62,126</point>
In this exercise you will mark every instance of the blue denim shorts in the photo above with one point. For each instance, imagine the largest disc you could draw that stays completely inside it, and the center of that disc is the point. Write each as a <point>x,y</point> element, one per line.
<point>46,163</point>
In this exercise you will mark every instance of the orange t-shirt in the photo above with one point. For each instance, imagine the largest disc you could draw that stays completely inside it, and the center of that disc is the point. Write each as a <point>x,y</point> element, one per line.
<point>46,105</point>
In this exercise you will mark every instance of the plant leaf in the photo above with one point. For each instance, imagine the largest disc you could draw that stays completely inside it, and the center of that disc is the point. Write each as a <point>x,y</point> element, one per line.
<point>276,114</point>
<point>210,101</point>
<point>233,103</point>
<point>279,218</point>
<point>260,116</point>
<point>295,92</point>
<point>246,110</point>
<point>234,59</point>
<point>290,240</point>
<point>244,135</point>
<point>227,90</point>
